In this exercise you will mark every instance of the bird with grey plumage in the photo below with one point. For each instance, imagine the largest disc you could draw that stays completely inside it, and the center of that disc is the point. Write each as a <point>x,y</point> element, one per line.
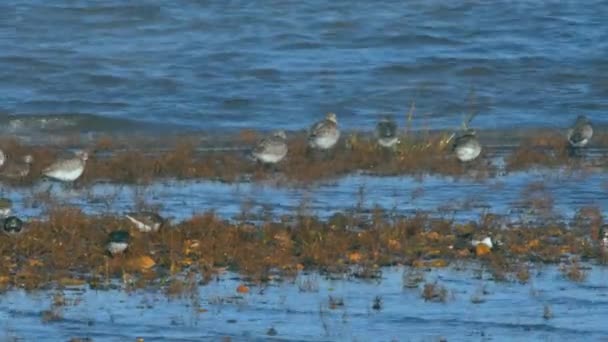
<point>386,132</point>
<point>6,207</point>
<point>271,149</point>
<point>580,133</point>
<point>466,146</point>
<point>15,169</point>
<point>146,221</point>
<point>67,170</point>
<point>2,158</point>
<point>324,134</point>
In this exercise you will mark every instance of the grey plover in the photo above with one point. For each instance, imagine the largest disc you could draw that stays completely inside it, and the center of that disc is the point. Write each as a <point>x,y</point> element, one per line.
<point>580,133</point>
<point>272,149</point>
<point>67,170</point>
<point>118,242</point>
<point>17,168</point>
<point>386,132</point>
<point>12,225</point>
<point>146,221</point>
<point>466,146</point>
<point>324,134</point>
<point>5,207</point>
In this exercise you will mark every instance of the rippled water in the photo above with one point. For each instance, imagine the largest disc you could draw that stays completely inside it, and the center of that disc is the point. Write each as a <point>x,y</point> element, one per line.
<point>477,309</point>
<point>218,66</point>
<point>225,65</point>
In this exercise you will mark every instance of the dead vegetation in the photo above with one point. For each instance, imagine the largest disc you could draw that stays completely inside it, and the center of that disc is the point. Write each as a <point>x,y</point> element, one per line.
<point>69,248</point>
<point>143,161</point>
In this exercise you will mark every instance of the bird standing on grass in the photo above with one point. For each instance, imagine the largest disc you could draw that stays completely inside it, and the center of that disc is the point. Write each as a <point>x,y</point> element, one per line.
<point>12,225</point>
<point>17,169</point>
<point>467,147</point>
<point>5,207</point>
<point>146,221</point>
<point>386,132</point>
<point>272,149</point>
<point>580,133</point>
<point>67,170</point>
<point>118,242</point>
<point>324,134</point>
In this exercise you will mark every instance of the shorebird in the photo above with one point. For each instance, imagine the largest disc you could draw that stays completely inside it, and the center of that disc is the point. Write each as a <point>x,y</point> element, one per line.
<point>12,225</point>
<point>67,170</point>
<point>272,149</point>
<point>467,146</point>
<point>146,221</point>
<point>580,133</point>
<point>386,132</point>
<point>604,237</point>
<point>2,158</point>
<point>17,169</point>
<point>5,207</point>
<point>118,241</point>
<point>485,241</point>
<point>324,134</point>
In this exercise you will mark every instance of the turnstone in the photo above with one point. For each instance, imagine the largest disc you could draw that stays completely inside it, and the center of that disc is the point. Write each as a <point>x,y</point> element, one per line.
<point>325,133</point>
<point>467,146</point>
<point>12,225</point>
<point>118,242</point>
<point>271,149</point>
<point>146,221</point>
<point>580,133</point>
<point>386,132</point>
<point>67,170</point>
<point>17,169</point>
<point>5,207</point>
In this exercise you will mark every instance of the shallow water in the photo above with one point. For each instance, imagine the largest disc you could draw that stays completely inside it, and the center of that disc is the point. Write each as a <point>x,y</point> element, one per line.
<point>221,65</point>
<point>507,312</point>
<point>111,66</point>
<point>464,199</point>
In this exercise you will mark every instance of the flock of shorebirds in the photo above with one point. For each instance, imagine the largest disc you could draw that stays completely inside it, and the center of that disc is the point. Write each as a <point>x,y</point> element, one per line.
<point>322,135</point>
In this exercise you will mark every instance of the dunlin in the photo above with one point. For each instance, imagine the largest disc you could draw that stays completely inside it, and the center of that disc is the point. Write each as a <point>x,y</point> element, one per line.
<point>580,133</point>
<point>324,134</point>
<point>118,242</point>
<point>5,207</point>
<point>146,221</point>
<point>272,149</point>
<point>467,146</point>
<point>67,170</point>
<point>386,132</point>
<point>18,168</point>
<point>12,225</point>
